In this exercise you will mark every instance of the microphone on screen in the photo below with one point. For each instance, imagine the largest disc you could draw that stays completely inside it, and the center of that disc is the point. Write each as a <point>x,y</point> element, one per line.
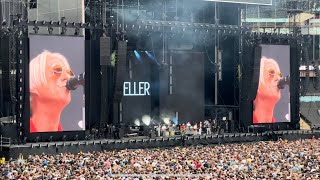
<point>284,81</point>
<point>75,82</point>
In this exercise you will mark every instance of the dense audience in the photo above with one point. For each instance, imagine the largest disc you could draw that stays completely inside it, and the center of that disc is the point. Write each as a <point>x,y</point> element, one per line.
<point>261,160</point>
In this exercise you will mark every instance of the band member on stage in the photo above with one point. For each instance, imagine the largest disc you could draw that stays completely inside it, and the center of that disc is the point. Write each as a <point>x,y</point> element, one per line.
<point>182,129</point>
<point>268,93</point>
<point>207,125</point>
<point>200,128</point>
<point>49,73</point>
<point>158,127</point>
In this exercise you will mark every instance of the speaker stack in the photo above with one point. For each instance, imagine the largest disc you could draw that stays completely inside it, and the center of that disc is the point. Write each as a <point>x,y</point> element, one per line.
<point>255,73</point>
<point>120,71</point>
<point>105,62</point>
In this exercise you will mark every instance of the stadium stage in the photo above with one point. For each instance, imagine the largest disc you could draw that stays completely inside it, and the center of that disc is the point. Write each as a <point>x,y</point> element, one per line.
<point>13,151</point>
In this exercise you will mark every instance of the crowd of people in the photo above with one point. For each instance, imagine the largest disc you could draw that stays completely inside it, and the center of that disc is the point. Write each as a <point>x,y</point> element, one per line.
<point>261,160</point>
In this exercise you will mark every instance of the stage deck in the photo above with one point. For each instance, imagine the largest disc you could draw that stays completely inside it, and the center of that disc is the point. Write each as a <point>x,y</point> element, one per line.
<point>13,151</point>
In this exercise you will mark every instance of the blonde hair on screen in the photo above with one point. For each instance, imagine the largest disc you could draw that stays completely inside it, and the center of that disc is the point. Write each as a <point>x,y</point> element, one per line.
<point>37,69</point>
<point>262,65</point>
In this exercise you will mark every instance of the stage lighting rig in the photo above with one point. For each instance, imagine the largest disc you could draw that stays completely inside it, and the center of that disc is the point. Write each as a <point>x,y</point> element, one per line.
<point>77,31</point>
<point>76,137</point>
<point>4,23</point>
<point>179,27</point>
<point>50,29</point>
<point>36,29</point>
<point>202,28</point>
<point>56,24</point>
<point>4,28</point>
<point>50,138</point>
<point>63,30</point>
<point>64,138</point>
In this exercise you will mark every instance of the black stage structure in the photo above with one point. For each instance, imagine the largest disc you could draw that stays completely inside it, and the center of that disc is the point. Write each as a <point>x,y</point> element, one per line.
<point>227,87</point>
<point>57,147</point>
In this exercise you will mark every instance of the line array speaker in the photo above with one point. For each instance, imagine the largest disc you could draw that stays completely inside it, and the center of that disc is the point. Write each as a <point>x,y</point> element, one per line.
<point>105,51</point>
<point>255,72</point>
<point>105,79</point>
<point>120,71</point>
<point>5,68</point>
<point>305,87</point>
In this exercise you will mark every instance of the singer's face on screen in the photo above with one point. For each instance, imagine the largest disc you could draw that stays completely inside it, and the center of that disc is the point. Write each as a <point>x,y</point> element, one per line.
<point>269,77</point>
<point>57,75</point>
<point>49,73</point>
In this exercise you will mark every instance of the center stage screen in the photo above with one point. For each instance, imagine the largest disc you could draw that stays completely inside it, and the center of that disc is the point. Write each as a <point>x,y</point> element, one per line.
<point>53,61</point>
<point>272,102</point>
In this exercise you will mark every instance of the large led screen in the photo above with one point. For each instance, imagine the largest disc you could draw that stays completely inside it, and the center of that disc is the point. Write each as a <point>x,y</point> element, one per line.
<point>56,61</point>
<point>272,102</point>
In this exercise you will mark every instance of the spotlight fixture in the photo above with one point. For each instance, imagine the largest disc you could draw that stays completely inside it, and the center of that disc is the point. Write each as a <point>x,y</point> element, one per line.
<point>76,137</point>
<point>76,31</point>
<point>19,16</point>
<point>4,23</point>
<point>50,29</point>
<point>25,140</point>
<point>50,138</point>
<point>63,31</point>
<point>36,29</point>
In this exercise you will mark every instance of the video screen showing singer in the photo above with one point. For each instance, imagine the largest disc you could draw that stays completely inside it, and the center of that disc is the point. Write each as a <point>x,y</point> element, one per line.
<point>272,102</point>
<point>56,79</point>
<point>268,93</point>
<point>49,73</point>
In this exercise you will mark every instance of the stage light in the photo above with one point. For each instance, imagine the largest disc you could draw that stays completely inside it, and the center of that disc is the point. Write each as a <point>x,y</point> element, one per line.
<point>136,53</point>
<point>36,29</point>
<point>137,122</point>
<point>146,119</point>
<point>50,29</point>
<point>76,137</point>
<point>63,30</point>
<point>149,55</point>
<point>166,120</point>
<point>175,120</point>
<point>4,23</point>
<point>76,31</point>
<point>64,138</point>
<point>25,140</point>
<point>87,137</point>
